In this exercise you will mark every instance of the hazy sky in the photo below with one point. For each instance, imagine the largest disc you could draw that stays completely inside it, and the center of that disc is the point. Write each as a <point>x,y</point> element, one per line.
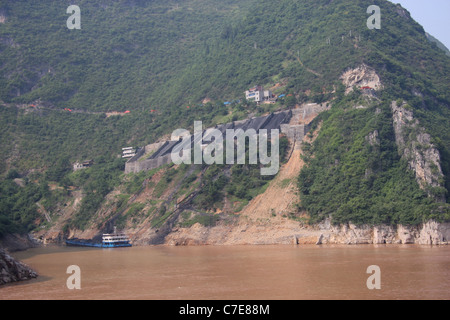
<point>433,15</point>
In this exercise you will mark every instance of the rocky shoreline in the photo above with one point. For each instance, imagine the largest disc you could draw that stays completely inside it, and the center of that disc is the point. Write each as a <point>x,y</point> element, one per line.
<point>12,270</point>
<point>429,233</point>
<point>289,232</point>
<point>272,231</point>
<point>280,231</point>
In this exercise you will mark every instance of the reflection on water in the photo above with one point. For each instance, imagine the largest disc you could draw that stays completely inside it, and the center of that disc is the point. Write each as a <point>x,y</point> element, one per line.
<point>236,272</point>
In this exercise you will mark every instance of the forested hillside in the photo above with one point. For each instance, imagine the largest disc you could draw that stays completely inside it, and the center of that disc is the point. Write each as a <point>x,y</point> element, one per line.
<point>172,62</point>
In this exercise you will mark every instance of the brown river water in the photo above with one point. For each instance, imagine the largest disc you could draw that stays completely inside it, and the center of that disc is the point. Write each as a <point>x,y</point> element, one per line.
<point>236,273</point>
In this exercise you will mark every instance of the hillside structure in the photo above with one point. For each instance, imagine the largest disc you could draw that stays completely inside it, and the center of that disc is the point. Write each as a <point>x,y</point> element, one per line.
<point>83,165</point>
<point>128,152</point>
<point>158,154</point>
<point>259,95</point>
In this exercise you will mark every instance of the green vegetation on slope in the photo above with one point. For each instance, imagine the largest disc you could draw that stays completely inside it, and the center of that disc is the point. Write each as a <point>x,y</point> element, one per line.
<point>167,55</point>
<point>355,179</point>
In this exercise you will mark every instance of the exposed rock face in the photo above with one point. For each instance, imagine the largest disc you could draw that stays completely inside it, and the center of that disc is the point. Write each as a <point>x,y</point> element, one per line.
<point>430,233</point>
<point>17,242</point>
<point>402,12</point>
<point>434,233</point>
<point>414,145</point>
<point>12,270</point>
<point>3,16</point>
<point>362,76</point>
<point>373,138</point>
<point>289,232</point>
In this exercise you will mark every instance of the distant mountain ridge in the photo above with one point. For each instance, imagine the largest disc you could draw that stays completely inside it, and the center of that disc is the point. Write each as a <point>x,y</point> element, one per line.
<point>438,43</point>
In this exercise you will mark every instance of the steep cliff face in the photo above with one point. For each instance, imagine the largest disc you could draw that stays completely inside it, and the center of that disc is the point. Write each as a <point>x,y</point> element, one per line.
<point>286,231</point>
<point>415,145</point>
<point>429,233</point>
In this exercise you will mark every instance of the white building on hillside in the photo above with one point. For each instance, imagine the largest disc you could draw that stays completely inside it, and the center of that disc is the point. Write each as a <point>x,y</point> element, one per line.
<point>258,94</point>
<point>128,152</point>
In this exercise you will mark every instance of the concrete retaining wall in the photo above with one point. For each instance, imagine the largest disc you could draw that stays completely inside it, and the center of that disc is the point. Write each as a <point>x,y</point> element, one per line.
<point>161,151</point>
<point>148,164</point>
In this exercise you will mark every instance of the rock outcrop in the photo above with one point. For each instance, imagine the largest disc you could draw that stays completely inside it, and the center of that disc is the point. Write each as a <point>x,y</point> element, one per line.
<point>12,270</point>
<point>18,242</point>
<point>430,233</point>
<point>3,16</point>
<point>362,76</point>
<point>289,232</point>
<point>415,145</point>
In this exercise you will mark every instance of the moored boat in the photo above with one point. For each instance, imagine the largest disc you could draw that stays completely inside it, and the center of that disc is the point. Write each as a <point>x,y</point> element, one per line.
<point>115,240</point>
<point>109,240</point>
